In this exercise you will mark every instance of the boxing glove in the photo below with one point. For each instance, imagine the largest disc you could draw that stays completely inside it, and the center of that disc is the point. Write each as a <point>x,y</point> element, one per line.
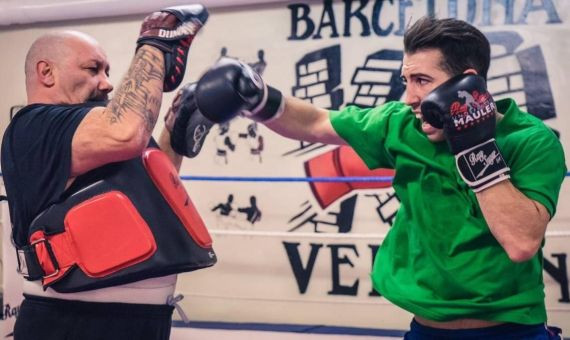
<point>231,88</point>
<point>172,30</point>
<point>466,112</point>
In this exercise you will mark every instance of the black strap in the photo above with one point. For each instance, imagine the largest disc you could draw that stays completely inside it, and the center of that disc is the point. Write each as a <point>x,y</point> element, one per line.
<point>28,264</point>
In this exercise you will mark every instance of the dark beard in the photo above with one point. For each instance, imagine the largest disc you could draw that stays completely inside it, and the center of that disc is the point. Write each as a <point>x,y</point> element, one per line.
<point>94,103</point>
<point>101,100</point>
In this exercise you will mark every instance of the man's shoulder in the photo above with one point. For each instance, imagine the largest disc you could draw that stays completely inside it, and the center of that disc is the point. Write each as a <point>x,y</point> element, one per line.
<point>395,114</point>
<point>47,111</point>
<point>393,108</point>
<point>33,121</point>
<point>29,110</point>
<point>517,118</point>
<point>37,108</point>
<point>521,126</point>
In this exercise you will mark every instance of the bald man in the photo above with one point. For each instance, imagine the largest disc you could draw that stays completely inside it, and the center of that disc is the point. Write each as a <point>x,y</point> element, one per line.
<point>54,65</point>
<point>70,140</point>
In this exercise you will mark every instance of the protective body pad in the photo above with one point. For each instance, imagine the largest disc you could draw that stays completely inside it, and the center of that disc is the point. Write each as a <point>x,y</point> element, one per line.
<point>341,162</point>
<point>108,234</point>
<point>102,235</point>
<point>166,179</point>
<point>179,248</point>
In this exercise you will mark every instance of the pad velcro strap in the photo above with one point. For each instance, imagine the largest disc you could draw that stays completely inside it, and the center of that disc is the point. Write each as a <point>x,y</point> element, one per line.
<point>33,267</point>
<point>52,254</point>
<point>102,235</point>
<point>482,166</point>
<point>165,177</point>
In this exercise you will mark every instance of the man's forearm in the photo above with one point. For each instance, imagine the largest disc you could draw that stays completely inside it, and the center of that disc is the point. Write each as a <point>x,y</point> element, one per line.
<point>516,221</point>
<point>137,101</point>
<point>304,121</point>
<point>166,147</point>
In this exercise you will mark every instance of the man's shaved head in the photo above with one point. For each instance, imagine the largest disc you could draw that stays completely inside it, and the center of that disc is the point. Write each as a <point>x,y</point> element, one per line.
<point>58,63</point>
<point>53,47</point>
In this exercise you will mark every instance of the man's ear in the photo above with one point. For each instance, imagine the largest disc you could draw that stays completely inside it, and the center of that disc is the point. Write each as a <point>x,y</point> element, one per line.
<point>470,71</point>
<point>44,70</point>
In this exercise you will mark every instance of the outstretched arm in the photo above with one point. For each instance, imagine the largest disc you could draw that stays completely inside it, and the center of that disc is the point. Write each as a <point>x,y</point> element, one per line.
<point>301,120</point>
<point>230,88</point>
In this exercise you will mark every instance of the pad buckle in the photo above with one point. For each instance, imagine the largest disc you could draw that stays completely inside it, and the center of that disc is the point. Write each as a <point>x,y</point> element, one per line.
<point>22,267</point>
<point>22,263</point>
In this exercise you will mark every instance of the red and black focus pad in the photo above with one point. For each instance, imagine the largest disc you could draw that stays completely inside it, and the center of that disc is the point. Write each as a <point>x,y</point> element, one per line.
<point>102,235</point>
<point>172,30</point>
<point>341,162</point>
<point>188,127</point>
<point>166,179</point>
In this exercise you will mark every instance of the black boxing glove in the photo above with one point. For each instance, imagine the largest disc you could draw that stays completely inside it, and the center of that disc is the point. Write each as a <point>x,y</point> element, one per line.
<point>466,112</point>
<point>231,88</point>
<point>172,30</point>
<point>188,127</point>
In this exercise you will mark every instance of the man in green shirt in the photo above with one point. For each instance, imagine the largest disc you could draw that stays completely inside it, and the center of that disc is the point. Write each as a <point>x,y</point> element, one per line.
<point>478,182</point>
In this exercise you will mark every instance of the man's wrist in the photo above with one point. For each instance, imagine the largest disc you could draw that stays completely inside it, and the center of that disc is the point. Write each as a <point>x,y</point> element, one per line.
<point>482,165</point>
<point>270,107</point>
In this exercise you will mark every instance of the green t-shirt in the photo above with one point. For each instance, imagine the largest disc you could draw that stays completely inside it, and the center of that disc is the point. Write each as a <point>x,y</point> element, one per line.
<point>439,260</point>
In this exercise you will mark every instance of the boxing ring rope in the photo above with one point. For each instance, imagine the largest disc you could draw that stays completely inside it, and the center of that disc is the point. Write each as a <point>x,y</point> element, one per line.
<point>343,236</point>
<point>383,179</point>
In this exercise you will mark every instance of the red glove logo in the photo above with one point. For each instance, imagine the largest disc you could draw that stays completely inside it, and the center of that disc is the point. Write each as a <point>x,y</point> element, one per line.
<point>341,162</point>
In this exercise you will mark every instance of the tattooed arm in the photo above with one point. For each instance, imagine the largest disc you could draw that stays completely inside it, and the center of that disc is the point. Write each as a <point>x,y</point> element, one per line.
<point>123,129</point>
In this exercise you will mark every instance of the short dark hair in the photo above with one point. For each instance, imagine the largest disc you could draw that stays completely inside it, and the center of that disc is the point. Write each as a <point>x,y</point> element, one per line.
<point>462,45</point>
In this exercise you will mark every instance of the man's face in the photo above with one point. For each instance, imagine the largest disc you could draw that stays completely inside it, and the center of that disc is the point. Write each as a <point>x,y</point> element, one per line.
<point>421,71</point>
<point>83,74</point>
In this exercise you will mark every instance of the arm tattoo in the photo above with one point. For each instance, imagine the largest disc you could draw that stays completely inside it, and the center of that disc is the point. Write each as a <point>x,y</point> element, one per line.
<point>138,92</point>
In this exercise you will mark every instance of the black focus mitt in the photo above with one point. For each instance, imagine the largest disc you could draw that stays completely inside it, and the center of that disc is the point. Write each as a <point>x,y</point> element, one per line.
<point>188,127</point>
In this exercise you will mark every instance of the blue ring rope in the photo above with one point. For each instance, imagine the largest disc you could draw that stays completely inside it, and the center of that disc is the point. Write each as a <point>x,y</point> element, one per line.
<point>291,179</point>
<point>287,179</point>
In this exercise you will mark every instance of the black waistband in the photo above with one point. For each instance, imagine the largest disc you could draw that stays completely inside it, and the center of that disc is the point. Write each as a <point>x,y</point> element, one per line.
<point>106,308</point>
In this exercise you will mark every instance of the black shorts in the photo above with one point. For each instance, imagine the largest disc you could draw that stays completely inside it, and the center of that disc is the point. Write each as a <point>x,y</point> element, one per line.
<point>55,319</point>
